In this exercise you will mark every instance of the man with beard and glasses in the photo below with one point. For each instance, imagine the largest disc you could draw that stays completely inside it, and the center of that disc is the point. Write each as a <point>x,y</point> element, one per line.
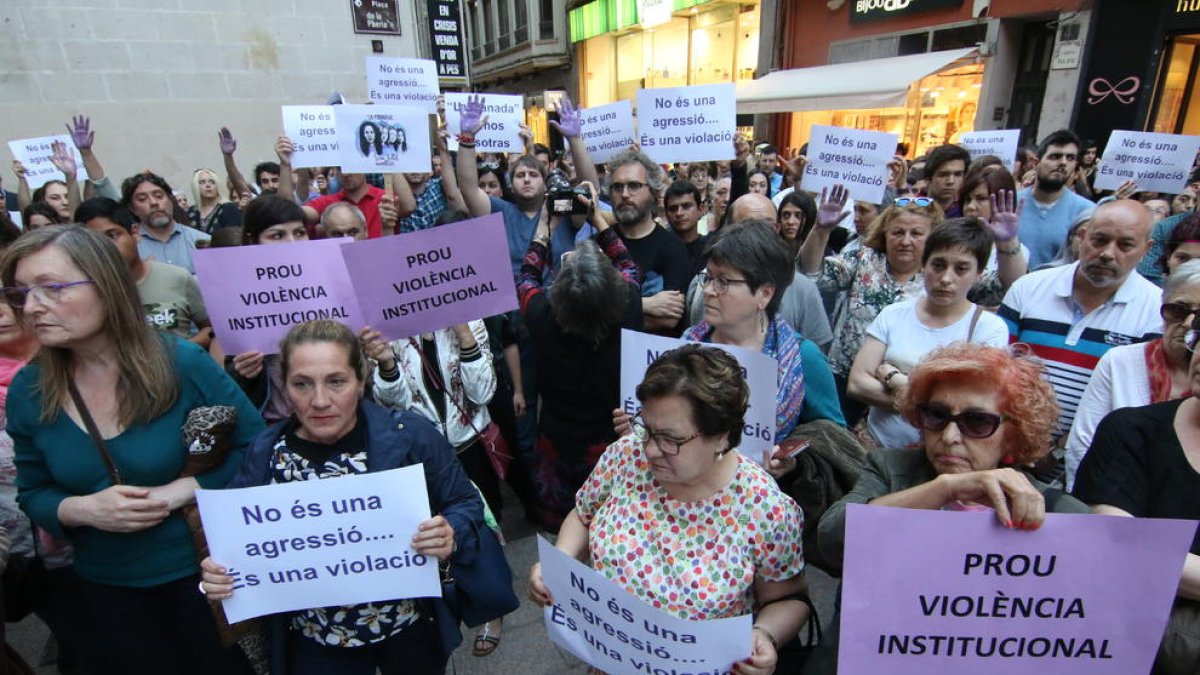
<point>661,257</point>
<point>148,196</point>
<point>1071,315</point>
<point>1049,207</point>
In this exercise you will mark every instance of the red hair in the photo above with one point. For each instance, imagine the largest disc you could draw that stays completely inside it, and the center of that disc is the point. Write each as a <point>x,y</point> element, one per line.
<point>1027,400</point>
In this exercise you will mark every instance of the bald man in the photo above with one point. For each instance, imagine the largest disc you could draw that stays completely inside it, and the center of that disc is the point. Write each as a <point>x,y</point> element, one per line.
<point>1072,315</point>
<point>752,206</point>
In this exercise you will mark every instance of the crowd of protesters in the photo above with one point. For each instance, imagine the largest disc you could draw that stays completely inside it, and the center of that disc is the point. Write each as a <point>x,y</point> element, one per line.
<point>893,325</point>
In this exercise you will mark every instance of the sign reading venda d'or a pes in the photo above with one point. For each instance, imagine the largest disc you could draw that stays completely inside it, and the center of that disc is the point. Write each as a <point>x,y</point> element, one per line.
<point>863,11</point>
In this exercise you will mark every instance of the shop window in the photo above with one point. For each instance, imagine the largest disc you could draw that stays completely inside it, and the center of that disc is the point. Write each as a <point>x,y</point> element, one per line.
<point>1176,107</point>
<point>598,71</point>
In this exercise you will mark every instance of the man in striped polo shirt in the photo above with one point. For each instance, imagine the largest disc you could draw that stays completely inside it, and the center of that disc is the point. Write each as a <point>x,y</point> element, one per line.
<point>1071,315</point>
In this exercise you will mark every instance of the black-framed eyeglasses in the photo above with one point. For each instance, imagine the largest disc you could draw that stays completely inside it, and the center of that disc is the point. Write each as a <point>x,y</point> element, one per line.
<point>666,444</point>
<point>971,423</point>
<point>632,187</point>
<point>720,284</point>
<point>46,294</point>
<point>913,201</point>
<point>1174,312</point>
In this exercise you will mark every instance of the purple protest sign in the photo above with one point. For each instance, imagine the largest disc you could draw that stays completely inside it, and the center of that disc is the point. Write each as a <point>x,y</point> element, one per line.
<point>431,279</point>
<point>955,592</point>
<point>255,294</point>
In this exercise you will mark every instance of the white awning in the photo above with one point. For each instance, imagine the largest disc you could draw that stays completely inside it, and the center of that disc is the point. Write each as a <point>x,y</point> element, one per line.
<point>877,83</point>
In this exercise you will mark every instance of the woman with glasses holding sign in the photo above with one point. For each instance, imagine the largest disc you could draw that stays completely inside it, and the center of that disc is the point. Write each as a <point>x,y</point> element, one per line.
<point>1130,376</point>
<point>725,541</point>
<point>96,421</point>
<point>983,414</point>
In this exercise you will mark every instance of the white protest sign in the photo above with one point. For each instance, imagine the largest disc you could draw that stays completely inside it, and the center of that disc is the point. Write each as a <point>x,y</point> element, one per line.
<point>313,132</point>
<point>855,158</point>
<point>410,82</point>
<point>608,129</point>
<point>1001,143</point>
<point>639,350</point>
<point>1156,162</point>
<point>321,543</point>
<point>505,115</point>
<point>35,154</point>
<point>613,630</point>
<point>687,124</point>
<point>382,138</point>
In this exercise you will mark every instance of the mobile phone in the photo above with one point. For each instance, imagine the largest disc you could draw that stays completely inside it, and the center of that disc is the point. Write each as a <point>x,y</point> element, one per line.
<point>790,448</point>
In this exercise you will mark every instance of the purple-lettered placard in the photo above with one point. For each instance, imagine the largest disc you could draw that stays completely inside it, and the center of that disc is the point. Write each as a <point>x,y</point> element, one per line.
<point>435,278</point>
<point>255,294</point>
<point>956,592</point>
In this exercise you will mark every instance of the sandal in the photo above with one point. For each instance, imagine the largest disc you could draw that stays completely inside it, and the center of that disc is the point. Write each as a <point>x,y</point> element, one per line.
<point>485,642</point>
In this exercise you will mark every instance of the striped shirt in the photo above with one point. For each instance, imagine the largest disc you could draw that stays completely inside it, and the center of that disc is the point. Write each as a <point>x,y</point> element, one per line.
<point>1041,311</point>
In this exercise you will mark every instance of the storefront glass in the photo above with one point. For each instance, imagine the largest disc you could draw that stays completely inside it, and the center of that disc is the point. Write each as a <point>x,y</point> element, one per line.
<point>939,110</point>
<point>709,43</point>
<point>1177,107</point>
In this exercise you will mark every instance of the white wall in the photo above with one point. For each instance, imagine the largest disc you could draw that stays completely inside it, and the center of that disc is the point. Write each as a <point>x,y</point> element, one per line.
<point>160,77</point>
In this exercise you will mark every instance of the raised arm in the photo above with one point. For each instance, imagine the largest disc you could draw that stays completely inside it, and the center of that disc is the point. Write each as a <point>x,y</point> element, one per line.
<point>831,212</point>
<point>228,146</point>
<point>1004,224</point>
<point>64,160</point>
<point>454,196</point>
<point>570,125</point>
<point>84,139</point>
<point>471,121</point>
<point>24,197</point>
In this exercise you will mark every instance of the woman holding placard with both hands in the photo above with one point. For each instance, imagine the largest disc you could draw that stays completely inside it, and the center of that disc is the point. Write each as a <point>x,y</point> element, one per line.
<point>334,432</point>
<point>724,540</point>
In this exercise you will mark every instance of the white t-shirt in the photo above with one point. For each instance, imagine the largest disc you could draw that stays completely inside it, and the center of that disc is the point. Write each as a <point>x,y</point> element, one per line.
<point>908,341</point>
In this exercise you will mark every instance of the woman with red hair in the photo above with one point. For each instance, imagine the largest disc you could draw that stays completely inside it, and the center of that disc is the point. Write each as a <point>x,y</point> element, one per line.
<point>984,413</point>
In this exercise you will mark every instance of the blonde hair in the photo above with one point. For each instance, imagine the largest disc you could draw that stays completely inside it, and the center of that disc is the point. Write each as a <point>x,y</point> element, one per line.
<point>221,199</point>
<point>147,385</point>
<point>876,236</point>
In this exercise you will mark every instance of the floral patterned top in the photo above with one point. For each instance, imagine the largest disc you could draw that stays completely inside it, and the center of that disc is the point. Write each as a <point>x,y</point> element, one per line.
<point>863,274</point>
<point>696,560</point>
<point>782,343</point>
<point>296,459</point>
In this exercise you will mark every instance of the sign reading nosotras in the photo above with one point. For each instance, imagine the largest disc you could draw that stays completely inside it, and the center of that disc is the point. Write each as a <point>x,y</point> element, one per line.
<point>502,133</point>
<point>1000,143</point>
<point>617,632</point>
<point>447,37</point>
<point>1156,162</point>
<point>608,129</point>
<point>34,154</point>
<point>255,294</point>
<point>687,124</point>
<point>761,372</point>
<point>855,158</point>
<point>1083,595</point>
<point>313,132</point>
<point>321,543</point>
<point>408,82</point>
<point>430,279</point>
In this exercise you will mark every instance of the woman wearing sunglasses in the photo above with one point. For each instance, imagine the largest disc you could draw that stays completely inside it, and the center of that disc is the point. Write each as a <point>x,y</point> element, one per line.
<point>95,421</point>
<point>1135,375</point>
<point>680,470</point>
<point>953,260</point>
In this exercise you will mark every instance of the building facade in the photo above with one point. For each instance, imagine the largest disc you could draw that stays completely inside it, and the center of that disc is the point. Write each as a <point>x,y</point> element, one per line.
<point>1003,64</point>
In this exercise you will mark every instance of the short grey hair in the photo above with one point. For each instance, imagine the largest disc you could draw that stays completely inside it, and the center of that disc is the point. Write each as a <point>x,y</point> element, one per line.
<point>1187,274</point>
<point>328,213</point>
<point>654,173</point>
<point>589,295</point>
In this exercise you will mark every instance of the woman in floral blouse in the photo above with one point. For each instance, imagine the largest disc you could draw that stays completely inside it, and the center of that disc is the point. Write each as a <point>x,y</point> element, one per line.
<point>724,541</point>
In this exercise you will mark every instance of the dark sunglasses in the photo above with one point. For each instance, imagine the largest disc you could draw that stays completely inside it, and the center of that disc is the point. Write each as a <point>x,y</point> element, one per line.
<point>1174,312</point>
<point>971,423</point>
<point>913,201</point>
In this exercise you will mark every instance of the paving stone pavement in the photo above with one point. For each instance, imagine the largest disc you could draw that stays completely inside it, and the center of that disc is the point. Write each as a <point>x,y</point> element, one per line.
<point>524,648</point>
